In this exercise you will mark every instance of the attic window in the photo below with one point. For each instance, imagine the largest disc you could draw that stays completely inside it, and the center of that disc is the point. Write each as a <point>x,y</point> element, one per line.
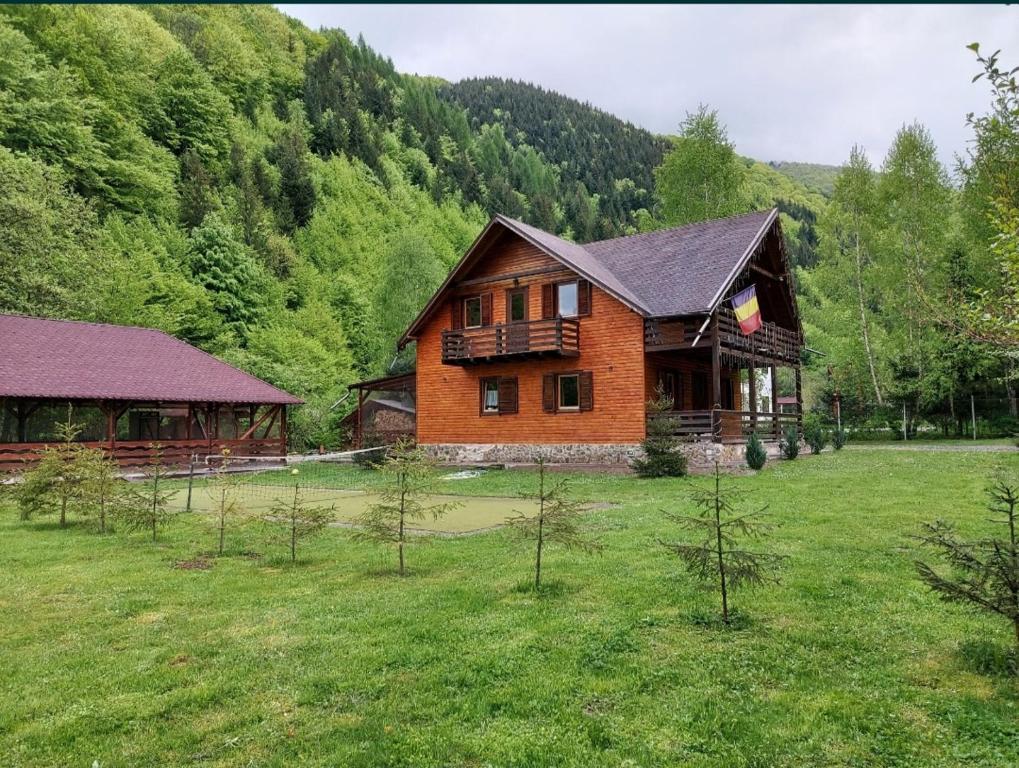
<point>472,312</point>
<point>566,299</point>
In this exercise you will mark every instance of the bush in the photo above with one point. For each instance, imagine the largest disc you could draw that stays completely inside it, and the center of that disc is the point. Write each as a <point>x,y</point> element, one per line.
<point>816,439</point>
<point>839,439</point>
<point>756,454</point>
<point>790,443</point>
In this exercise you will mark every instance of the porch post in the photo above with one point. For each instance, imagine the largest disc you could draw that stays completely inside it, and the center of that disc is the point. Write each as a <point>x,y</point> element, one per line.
<point>752,391</point>
<point>774,401</point>
<point>716,363</point>
<point>799,402</point>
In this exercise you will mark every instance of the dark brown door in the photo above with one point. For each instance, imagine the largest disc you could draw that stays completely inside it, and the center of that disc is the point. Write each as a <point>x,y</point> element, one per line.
<point>699,391</point>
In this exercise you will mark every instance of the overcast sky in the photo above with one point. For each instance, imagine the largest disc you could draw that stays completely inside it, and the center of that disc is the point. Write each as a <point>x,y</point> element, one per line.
<point>791,82</point>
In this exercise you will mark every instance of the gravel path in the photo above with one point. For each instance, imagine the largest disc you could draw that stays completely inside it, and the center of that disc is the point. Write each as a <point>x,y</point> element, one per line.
<point>935,447</point>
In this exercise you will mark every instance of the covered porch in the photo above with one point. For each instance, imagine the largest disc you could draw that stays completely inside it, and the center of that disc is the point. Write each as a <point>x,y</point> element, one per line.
<point>742,371</point>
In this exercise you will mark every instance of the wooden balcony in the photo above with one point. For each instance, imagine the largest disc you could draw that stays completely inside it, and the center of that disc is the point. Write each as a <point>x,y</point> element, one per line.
<point>771,343</point>
<point>558,337</point>
<point>722,426</point>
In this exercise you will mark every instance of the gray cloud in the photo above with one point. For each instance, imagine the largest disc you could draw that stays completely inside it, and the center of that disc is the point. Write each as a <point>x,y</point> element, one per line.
<point>791,82</point>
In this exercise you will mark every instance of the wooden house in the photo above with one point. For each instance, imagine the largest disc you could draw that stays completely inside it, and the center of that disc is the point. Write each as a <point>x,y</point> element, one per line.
<point>131,390</point>
<point>536,342</point>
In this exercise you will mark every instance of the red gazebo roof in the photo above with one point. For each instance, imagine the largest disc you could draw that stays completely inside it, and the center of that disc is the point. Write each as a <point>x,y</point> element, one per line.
<point>67,360</point>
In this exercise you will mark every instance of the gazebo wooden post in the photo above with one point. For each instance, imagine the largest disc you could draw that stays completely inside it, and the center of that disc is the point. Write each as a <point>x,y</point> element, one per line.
<point>360,406</point>
<point>111,427</point>
<point>283,430</point>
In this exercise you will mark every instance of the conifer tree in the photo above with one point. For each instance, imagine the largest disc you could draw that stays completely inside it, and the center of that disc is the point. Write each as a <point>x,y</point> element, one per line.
<point>148,505</point>
<point>984,572</point>
<point>103,490</point>
<point>223,492</point>
<point>557,520</point>
<point>293,519</point>
<point>409,479</point>
<point>718,557</point>
<point>56,482</point>
<point>661,455</point>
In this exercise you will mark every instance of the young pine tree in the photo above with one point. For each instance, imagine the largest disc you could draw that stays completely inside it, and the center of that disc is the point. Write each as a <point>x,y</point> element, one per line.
<point>718,556</point>
<point>756,454</point>
<point>148,506</point>
<point>293,519</point>
<point>409,479</point>
<point>983,573</point>
<point>56,482</point>
<point>790,443</point>
<point>557,520</point>
<point>103,490</point>
<point>661,457</point>
<point>223,492</point>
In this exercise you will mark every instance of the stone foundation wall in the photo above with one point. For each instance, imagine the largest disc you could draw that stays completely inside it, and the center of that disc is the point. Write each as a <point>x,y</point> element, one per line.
<point>525,453</point>
<point>701,456</point>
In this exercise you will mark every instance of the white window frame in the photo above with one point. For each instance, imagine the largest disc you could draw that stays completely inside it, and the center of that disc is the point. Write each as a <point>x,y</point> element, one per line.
<point>576,298</point>
<point>489,382</point>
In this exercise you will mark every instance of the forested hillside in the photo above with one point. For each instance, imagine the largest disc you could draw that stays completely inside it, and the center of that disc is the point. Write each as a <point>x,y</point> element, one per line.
<point>596,153</point>
<point>814,176</point>
<point>285,198</point>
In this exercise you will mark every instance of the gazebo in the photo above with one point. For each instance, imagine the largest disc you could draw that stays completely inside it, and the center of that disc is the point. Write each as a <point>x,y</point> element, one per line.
<point>132,391</point>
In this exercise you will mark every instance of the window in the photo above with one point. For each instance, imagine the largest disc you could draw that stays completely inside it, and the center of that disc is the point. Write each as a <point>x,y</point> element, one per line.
<point>498,395</point>
<point>516,310</point>
<point>490,395</point>
<point>569,392</point>
<point>472,312</point>
<point>671,384</point>
<point>566,299</point>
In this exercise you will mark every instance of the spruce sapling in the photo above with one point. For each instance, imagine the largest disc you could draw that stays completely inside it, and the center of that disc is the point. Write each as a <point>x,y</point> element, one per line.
<point>557,520</point>
<point>718,557</point>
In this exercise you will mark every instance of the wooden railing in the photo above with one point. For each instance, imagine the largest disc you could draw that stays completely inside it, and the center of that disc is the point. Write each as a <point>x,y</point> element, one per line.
<point>559,337</point>
<point>725,426</point>
<point>769,342</point>
<point>16,456</point>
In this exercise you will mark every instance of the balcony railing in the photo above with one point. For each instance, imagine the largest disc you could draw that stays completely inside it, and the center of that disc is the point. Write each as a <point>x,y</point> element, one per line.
<point>724,426</point>
<point>770,342</point>
<point>558,337</point>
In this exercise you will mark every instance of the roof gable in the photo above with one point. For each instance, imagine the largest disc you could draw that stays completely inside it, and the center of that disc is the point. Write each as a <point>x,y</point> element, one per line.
<point>671,272</point>
<point>67,360</point>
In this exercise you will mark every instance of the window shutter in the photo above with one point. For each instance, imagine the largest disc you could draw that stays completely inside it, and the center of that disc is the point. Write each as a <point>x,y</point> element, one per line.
<point>583,297</point>
<point>548,392</point>
<point>486,308</point>
<point>586,380</point>
<point>456,314</point>
<point>508,394</point>
<point>548,301</point>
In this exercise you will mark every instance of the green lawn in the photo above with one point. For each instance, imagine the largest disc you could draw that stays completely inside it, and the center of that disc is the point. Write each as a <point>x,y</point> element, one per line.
<point>108,653</point>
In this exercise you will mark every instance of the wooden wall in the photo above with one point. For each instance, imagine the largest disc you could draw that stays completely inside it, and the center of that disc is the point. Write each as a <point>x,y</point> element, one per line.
<point>612,348</point>
<point>686,362</point>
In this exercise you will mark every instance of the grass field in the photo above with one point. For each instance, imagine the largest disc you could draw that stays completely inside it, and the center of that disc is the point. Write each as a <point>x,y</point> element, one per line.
<point>109,653</point>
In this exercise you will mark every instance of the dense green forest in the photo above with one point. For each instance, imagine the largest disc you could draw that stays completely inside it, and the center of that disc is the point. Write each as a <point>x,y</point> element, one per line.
<point>287,200</point>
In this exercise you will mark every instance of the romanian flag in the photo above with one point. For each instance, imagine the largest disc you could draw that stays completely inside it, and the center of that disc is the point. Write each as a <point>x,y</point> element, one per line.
<point>747,311</point>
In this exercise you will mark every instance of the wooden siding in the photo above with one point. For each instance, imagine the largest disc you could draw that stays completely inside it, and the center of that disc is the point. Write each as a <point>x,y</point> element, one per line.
<point>611,348</point>
<point>686,364</point>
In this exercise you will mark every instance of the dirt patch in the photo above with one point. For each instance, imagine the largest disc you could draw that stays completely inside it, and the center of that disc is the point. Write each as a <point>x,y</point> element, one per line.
<point>198,564</point>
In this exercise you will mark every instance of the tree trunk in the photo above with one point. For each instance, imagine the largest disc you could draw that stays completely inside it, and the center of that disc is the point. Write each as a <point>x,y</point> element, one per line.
<point>293,527</point>
<point>63,511</point>
<point>863,320</point>
<point>541,525</point>
<point>718,545</point>
<point>403,496</point>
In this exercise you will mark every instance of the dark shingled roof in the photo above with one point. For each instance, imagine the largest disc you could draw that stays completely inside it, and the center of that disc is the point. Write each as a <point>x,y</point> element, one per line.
<point>61,359</point>
<point>677,271</point>
<point>682,271</point>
